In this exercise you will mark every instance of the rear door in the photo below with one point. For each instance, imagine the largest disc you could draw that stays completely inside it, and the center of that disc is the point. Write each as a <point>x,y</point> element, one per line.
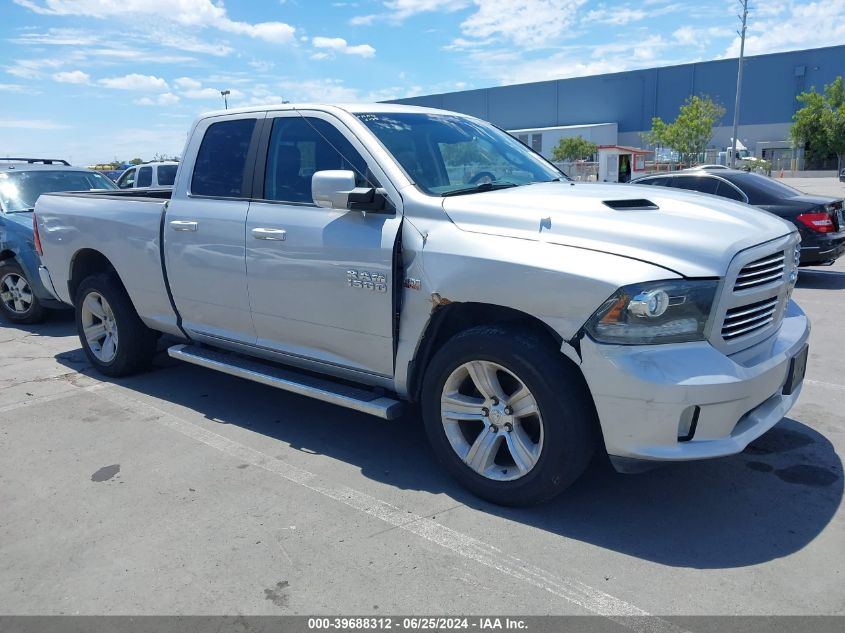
<point>302,259</point>
<point>204,230</point>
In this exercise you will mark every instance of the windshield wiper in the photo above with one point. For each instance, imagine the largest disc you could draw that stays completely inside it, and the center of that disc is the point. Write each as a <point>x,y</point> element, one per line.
<point>484,186</point>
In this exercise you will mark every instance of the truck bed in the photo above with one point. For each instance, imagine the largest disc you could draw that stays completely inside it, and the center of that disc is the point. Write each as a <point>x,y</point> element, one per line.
<point>125,227</point>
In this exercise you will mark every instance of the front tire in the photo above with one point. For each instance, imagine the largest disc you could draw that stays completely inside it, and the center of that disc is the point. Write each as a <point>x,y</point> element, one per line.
<point>506,415</point>
<point>115,340</point>
<point>18,302</point>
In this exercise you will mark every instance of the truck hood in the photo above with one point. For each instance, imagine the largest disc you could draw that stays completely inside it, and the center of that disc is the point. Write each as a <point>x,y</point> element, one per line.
<point>692,234</point>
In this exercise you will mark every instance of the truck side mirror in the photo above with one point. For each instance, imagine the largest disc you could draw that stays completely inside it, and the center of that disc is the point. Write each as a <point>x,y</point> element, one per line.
<point>335,189</point>
<point>330,188</point>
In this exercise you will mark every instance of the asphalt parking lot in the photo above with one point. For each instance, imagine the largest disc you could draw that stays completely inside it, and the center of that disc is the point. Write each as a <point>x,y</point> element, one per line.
<point>185,491</point>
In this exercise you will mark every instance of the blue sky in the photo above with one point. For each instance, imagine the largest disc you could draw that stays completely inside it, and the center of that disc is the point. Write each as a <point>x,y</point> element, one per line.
<point>94,80</point>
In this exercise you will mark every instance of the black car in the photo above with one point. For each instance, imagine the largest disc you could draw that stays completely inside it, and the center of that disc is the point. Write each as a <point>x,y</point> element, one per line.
<point>820,220</point>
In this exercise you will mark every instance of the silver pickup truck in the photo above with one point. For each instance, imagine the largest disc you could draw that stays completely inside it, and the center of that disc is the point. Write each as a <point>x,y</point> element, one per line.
<point>374,255</point>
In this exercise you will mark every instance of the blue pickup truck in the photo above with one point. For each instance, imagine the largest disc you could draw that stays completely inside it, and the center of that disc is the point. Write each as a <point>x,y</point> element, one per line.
<point>23,296</point>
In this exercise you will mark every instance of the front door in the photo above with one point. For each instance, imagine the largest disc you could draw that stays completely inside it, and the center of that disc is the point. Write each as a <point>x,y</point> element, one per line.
<point>304,262</point>
<point>204,232</point>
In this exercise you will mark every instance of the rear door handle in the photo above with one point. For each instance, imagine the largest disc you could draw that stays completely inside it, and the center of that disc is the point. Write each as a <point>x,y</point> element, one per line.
<point>275,235</point>
<point>184,225</point>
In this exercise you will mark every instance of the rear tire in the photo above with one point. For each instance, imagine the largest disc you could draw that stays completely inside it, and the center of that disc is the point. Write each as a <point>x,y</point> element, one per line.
<point>18,302</point>
<point>115,340</point>
<point>522,446</point>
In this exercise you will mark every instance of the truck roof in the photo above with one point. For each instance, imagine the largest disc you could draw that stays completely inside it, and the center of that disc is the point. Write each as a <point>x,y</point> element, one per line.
<point>352,108</point>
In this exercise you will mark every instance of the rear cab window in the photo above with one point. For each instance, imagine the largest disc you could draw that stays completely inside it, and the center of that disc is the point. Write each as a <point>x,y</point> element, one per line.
<point>221,160</point>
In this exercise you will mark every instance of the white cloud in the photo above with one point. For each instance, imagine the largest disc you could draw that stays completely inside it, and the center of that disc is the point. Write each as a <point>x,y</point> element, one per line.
<point>58,37</point>
<point>400,10</point>
<point>187,83</point>
<point>794,25</point>
<point>31,124</point>
<point>363,20</point>
<point>135,81</point>
<point>189,13</point>
<point>17,88</point>
<point>525,23</point>
<point>615,15</point>
<point>33,68</point>
<point>340,45</point>
<point>700,37</point>
<point>73,77</point>
<point>261,65</point>
<point>166,99</point>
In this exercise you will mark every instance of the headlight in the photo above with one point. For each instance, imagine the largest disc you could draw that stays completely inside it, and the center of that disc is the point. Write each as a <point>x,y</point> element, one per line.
<point>673,311</point>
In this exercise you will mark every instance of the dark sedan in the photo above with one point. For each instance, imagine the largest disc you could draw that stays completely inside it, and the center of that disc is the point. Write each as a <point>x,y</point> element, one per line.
<point>819,219</point>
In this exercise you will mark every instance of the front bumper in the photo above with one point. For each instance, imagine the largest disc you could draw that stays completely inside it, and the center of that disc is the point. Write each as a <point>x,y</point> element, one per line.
<point>644,395</point>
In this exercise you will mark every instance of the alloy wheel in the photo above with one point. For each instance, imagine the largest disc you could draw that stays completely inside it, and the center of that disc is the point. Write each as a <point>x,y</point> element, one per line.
<point>492,420</point>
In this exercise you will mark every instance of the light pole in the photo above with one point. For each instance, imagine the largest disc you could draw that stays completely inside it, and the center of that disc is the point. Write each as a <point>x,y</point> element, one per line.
<point>224,94</point>
<point>744,19</point>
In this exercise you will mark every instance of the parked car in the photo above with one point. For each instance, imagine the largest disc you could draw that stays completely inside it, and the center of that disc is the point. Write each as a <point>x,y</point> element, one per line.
<point>149,176</point>
<point>819,219</point>
<point>23,296</point>
<point>376,254</point>
<point>842,176</point>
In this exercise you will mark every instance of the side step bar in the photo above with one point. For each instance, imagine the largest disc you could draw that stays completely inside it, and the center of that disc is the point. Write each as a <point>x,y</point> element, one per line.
<point>290,380</point>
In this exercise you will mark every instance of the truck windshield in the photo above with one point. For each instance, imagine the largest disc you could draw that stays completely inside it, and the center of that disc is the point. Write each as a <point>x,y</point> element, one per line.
<point>19,190</point>
<point>447,155</point>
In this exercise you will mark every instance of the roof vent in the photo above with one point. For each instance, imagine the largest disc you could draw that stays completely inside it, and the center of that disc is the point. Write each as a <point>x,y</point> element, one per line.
<point>631,205</point>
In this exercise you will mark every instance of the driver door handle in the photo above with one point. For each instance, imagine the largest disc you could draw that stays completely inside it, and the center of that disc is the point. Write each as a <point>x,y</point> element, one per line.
<point>184,225</point>
<point>274,235</point>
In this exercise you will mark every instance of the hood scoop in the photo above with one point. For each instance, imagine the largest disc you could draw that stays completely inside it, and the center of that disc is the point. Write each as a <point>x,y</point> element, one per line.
<point>631,205</point>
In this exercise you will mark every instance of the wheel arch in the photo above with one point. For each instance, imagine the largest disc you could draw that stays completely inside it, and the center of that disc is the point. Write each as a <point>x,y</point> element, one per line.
<point>8,254</point>
<point>449,319</point>
<point>86,262</point>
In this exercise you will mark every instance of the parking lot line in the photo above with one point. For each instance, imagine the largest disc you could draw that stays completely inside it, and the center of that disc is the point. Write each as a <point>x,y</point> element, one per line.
<point>574,591</point>
<point>826,385</point>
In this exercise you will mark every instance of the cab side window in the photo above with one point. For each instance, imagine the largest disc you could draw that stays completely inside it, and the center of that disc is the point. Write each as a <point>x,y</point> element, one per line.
<point>145,177</point>
<point>301,146</point>
<point>221,160</point>
<point>127,180</point>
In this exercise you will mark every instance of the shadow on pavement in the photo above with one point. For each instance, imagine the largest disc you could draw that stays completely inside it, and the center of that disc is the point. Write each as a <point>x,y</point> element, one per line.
<point>58,323</point>
<point>821,279</point>
<point>766,503</point>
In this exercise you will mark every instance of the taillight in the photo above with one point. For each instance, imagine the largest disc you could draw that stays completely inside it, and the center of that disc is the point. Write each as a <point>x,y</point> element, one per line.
<point>37,238</point>
<point>819,222</point>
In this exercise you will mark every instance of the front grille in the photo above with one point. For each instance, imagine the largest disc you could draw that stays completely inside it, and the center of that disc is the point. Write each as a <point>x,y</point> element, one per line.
<point>760,272</point>
<point>749,318</point>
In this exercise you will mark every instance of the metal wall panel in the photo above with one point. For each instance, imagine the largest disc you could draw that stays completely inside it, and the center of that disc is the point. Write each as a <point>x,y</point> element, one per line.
<point>630,99</point>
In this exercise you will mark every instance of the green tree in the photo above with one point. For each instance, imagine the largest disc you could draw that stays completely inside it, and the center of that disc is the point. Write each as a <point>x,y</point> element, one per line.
<point>573,148</point>
<point>690,133</point>
<point>463,153</point>
<point>136,161</point>
<point>820,123</point>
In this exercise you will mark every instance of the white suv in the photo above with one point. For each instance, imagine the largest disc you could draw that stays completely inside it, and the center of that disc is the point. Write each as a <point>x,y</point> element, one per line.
<point>159,175</point>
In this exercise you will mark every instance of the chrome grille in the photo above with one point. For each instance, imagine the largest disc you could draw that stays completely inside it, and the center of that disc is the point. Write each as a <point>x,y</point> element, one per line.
<point>749,318</point>
<point>760,272</point>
